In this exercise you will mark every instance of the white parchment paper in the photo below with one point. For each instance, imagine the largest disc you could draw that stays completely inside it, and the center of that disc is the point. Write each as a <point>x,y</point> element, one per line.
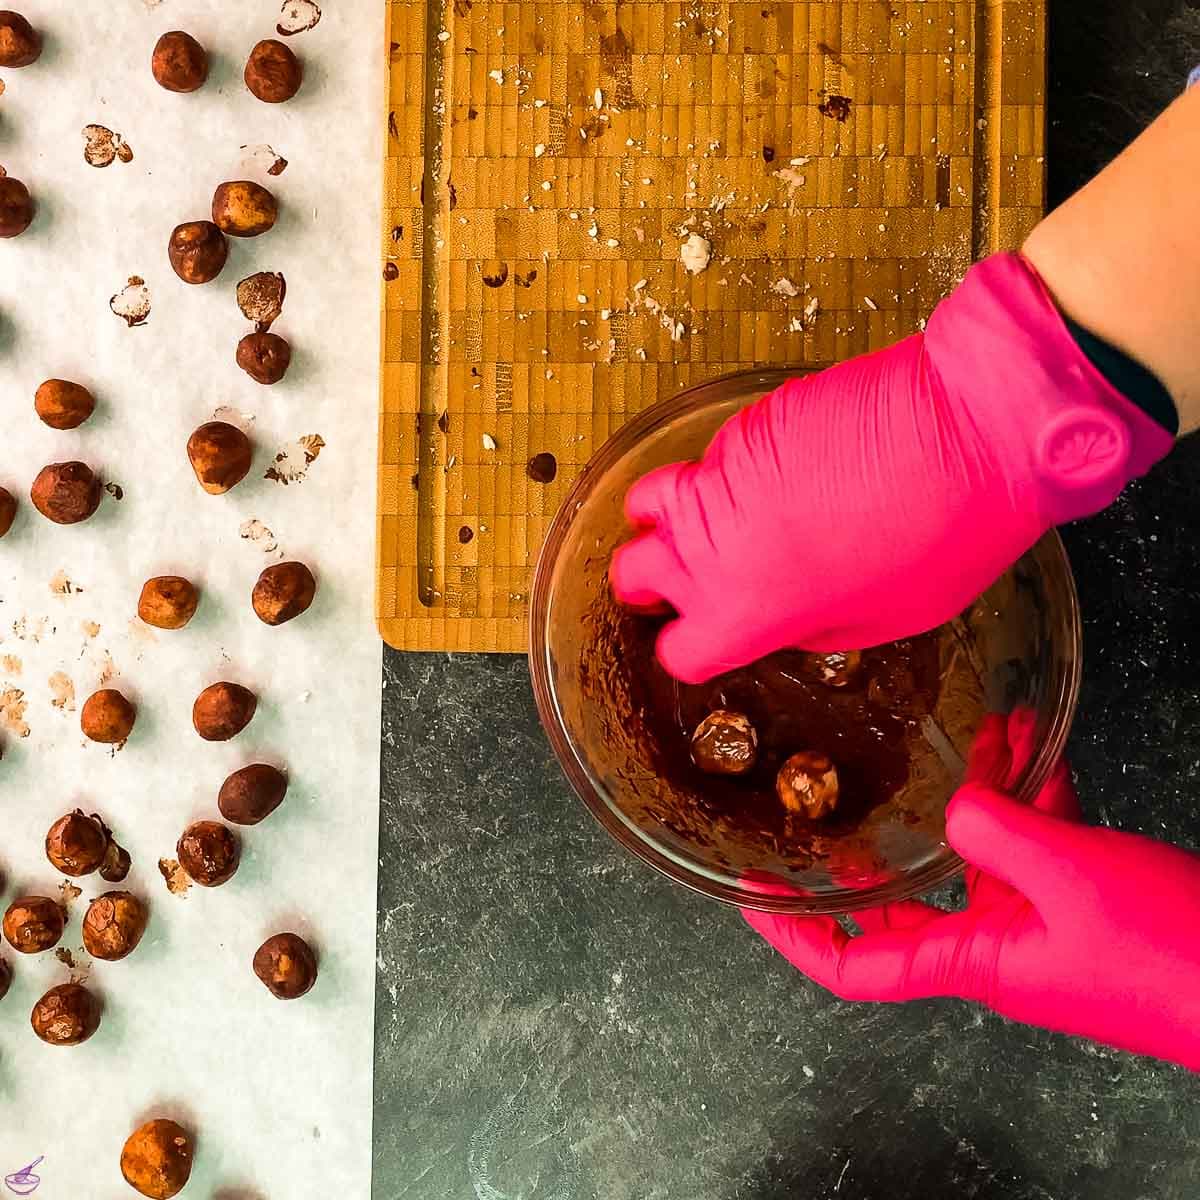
<point>278,1093</point>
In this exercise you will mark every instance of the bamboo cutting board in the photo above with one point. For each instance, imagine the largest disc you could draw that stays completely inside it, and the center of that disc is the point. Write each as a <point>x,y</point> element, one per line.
<point>551,166</point>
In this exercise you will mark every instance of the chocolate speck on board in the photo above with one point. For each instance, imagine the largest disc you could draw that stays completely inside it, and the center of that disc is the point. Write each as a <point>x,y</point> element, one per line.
<point>391,271</point>
<point>836,107</point>
<point>542,467</point>
<point>465,534</point>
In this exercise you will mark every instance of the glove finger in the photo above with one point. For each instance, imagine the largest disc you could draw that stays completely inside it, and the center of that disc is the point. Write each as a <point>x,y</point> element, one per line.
<point>1058,797</point>
<point>1016,843</point>
<point>903,914</point>
<point>655,496</point>
<point>646,571</point>
<point>693,652</point>
<point>988,759</point>
<point>872,967</point>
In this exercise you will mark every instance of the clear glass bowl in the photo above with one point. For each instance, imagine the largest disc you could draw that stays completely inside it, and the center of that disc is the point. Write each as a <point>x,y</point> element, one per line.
<point>1021,640</point>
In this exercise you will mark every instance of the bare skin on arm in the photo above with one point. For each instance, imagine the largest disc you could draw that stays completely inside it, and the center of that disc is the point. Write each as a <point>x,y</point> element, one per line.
<point>1122,256</point>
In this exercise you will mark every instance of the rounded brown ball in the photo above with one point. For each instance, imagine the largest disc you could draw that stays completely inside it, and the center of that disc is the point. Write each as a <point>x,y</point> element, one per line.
<point>197,250</point>
<point>66,493</point>
<point>807,784</point>
<point>5,977</point>
<point>725,743</point>
<point>243,208</point>
<point>16,207</point>
<point>282,592</point>
<point>107,717</point>
<point>220,455</point>
<point>168,601</point>
<point>252,793</point>
<point>76,844</point>
<point>8,510</point>
<point>265,357</point>
<point>273,73</point>
<point>208,851</point>
<point>222,711</point>
<point>113,925</point>
<point>20,43</point>
<point>286,965</point>
<point>33,924</point>
<point>156,1159</point>
<point>62,404</point>
<point>66,1015</point>
<point>179,62</point>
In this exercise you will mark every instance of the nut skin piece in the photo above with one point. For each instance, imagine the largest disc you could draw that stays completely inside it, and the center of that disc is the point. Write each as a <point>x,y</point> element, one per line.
<point>66,1015</point>
<point>16,207</point>
<point>62,404</point>
<point>243,208</point>
<point>273,73</point>
<point>223,710</point>
<point>265,357</point>
<point>220,455</point>
<point>807,784</point>
<point>66,493</point>
<point>179,63</point>
<point>33,924</point>
<point>168,601</point>
<point>286,965</point>
<point>282,592</point>
<point>8,510</point>
<point>107,717</point>
<point>251,794</point>
<point>157,1159</point>
<point>208,851</point>
<point>20,43</point>
<point>113,925</point>
<point>725,743</point>
<point>76,844</point>
<point>197,250</point>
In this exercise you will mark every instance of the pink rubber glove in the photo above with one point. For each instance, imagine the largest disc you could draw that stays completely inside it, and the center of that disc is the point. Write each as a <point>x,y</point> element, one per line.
<point>878,498</point>
<point>1078,929</point>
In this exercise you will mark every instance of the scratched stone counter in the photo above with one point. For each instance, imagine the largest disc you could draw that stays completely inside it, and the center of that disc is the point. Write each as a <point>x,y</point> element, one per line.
<point>554,1021</point>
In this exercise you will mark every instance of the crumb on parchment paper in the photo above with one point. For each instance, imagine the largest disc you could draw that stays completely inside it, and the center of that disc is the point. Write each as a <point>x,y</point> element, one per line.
<point>292,462</point>
<point>262,157</point>
<point>12,711</point>
<point>175,876</point>
<point>101,146</point>
<point>297,16</point>
<point>259,536</point>
<point>62,691</point>
<point>132,302</point>
<point>10,664</point>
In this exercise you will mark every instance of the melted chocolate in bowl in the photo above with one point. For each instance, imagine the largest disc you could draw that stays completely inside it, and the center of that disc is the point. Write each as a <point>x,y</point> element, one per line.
<point>897,727</point>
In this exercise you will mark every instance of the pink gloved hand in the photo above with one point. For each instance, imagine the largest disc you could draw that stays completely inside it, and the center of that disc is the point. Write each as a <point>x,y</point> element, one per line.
<point>878,498</point>
<point>1077,929</point>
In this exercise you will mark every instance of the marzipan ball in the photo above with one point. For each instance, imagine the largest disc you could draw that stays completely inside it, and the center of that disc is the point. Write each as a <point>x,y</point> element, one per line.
<point>66,1015</point>
<point>197,250</point>
<point>8,510</point>
<point>725,743</point>
<point>222,711</point>
<point>20,43</point>
<point>286,965</point>
<point>107,717</point>
<point>807,784</point>
<point>220,455</point>
<point>62,404</point>
<point>273,73</point>
<point>157,1159</point>
<point>179,62</point>
<point>244,209</point>
<point>33,923</point>
<point>264,357</point>
<point>251,794</point>
<point>66,493</point>
<point>282,592</point>
<point>208,852</point>
<point>76,844</point>
<point>167,602</point>
<point>113,925</point>
<point>16,207</point>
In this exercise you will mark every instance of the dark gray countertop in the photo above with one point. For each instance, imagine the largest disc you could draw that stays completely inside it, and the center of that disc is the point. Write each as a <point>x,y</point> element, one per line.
<point>555,1022</point>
